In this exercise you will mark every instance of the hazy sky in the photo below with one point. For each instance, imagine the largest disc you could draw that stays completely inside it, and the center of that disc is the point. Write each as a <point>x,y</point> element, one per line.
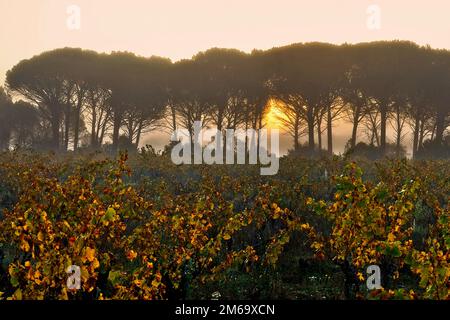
<point>179,29</point>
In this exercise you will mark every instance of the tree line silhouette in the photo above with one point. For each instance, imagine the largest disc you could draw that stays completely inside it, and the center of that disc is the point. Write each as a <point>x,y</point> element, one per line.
<point>70,98</point>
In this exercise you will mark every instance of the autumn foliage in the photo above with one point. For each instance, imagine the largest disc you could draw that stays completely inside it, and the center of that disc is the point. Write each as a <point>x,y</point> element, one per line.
<point>141,228</point>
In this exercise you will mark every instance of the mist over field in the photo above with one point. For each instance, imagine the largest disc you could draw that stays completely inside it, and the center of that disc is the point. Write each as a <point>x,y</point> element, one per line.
<point>224,155</point>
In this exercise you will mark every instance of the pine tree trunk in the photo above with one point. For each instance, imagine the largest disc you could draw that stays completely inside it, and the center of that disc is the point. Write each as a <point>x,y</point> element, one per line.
<point>296,134</point>
<point>93,126</point>
<point>383,114</point>
<point>310,119</point>
<point>440,126</point>
<point>329,132</point>
<point>67,127</point>
<point>116,130</point>
<point>416,137</point>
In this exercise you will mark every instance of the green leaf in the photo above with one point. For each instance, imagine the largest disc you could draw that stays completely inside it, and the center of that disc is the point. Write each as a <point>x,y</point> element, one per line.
<point>114,277</point>
<point>109,215</point>
<point>443,220</point>
<point>18,294</point>
<point>447,242</point>
<point>396,252</point>
<point>14,281</point>
<point>393,251</point>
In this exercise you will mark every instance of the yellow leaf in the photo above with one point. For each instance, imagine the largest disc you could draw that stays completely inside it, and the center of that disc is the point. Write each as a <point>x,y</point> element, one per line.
<point>304,226</point>
<point>25,246</point>
<point>63,295</point>
<point>18,294</point>
<point>137,282</point>
<point>360,276</point>
<point>226,236</point>
<point>95,264</point>
<point>84,274</point>
<point>90,254</point>
<point>391,237</point>
<point>155,283</point>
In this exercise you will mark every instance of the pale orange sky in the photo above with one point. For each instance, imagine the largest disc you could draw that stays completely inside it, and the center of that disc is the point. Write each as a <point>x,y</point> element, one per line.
<point>180,28</point>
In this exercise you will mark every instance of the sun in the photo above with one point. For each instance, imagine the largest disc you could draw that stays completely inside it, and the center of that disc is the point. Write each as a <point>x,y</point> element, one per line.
<point>274,114</point>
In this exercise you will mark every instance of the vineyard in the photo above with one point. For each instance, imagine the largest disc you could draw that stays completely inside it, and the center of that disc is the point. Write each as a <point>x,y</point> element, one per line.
<point>140,227</point>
